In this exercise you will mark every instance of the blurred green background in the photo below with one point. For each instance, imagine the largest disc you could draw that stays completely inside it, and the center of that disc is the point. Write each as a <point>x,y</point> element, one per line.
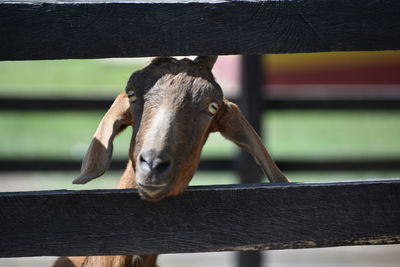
<point>288,135</point>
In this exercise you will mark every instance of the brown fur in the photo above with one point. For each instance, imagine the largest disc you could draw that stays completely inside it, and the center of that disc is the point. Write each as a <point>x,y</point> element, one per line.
<point>183,89</point>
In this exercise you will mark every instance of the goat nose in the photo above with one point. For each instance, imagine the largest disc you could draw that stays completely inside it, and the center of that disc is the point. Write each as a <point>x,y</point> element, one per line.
<point>154,162</point>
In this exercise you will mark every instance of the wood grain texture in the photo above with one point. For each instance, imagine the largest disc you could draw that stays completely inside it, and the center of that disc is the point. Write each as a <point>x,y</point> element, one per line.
<point>216,218</point>
<point>62,103</point>
<point>101,29</point>
<point>29,165</point>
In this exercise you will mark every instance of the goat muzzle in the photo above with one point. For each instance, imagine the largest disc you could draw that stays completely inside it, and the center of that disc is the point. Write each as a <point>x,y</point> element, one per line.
<point>153,173</point>
<point>154,163</point>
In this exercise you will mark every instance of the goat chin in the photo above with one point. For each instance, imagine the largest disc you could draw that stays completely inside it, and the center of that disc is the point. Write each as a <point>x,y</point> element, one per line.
<point>152,195</point>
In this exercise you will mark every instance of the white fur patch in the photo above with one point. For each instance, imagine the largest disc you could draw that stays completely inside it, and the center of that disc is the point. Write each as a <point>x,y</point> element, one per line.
<point>157,133</point>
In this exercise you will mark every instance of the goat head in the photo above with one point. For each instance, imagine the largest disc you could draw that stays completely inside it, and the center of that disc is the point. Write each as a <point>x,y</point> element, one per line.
<point>172,105</point>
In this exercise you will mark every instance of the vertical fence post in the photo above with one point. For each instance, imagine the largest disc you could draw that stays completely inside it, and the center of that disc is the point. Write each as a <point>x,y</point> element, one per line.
<point>251,104</point>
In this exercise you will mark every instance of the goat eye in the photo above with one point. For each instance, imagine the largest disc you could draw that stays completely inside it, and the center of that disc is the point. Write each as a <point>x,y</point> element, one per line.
<point>213,108</point>
<point>131,95</point>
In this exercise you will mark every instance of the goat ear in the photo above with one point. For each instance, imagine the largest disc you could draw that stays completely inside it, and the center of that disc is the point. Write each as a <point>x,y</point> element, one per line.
<point>206,61</point>
<point>234,126</point>
<point>98,156</point>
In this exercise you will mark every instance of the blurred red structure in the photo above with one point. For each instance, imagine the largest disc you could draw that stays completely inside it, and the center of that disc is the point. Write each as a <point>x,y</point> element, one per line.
<point>321,75</point>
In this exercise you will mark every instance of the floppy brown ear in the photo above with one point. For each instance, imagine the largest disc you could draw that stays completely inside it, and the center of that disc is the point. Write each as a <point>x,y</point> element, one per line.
<point>234,126</point>
<point>98,157</point>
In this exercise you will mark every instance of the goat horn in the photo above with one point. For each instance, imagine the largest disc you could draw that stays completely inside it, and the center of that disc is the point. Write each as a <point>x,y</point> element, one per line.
<point>206,61</point>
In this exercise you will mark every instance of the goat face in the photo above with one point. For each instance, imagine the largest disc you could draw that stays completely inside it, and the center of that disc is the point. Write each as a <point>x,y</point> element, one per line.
<point>172,105</point>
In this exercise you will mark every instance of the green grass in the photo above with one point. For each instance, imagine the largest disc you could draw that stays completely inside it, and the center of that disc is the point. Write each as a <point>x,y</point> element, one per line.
<point>333,134</point>
<point>60,135</point>
<point>66,135</point>
<point>71,78</point>
<point>305,135</point>
<point>46,135</point>
<point>289,135</point>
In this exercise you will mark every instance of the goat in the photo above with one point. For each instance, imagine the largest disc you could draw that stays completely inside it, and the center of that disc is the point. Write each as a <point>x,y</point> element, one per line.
<point>173,106</point>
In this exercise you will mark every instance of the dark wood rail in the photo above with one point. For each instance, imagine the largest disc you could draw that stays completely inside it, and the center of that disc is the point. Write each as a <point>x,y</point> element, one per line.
<point>86,104</point>
<point>135,28</point>
<point>221,164</point>
<point>217,218</point>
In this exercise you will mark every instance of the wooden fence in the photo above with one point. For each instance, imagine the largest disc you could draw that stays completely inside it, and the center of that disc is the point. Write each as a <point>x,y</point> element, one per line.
<point>133,28</point>
<point>212,218</point>
<point>216,218</point>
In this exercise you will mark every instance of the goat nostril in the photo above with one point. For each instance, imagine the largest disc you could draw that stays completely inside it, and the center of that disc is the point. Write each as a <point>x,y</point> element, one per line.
<point>161,167</point>
<point>142,160</point>
<point>144,164</point>
<point>156,163</point>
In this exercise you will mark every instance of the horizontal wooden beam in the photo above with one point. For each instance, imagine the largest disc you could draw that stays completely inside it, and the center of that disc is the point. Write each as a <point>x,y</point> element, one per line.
<point>54,104</point>
<point>221,164</point>
<point>133,28</point>
<point>81,104</point>
<point>215,218</point>
<point>29,165</point>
